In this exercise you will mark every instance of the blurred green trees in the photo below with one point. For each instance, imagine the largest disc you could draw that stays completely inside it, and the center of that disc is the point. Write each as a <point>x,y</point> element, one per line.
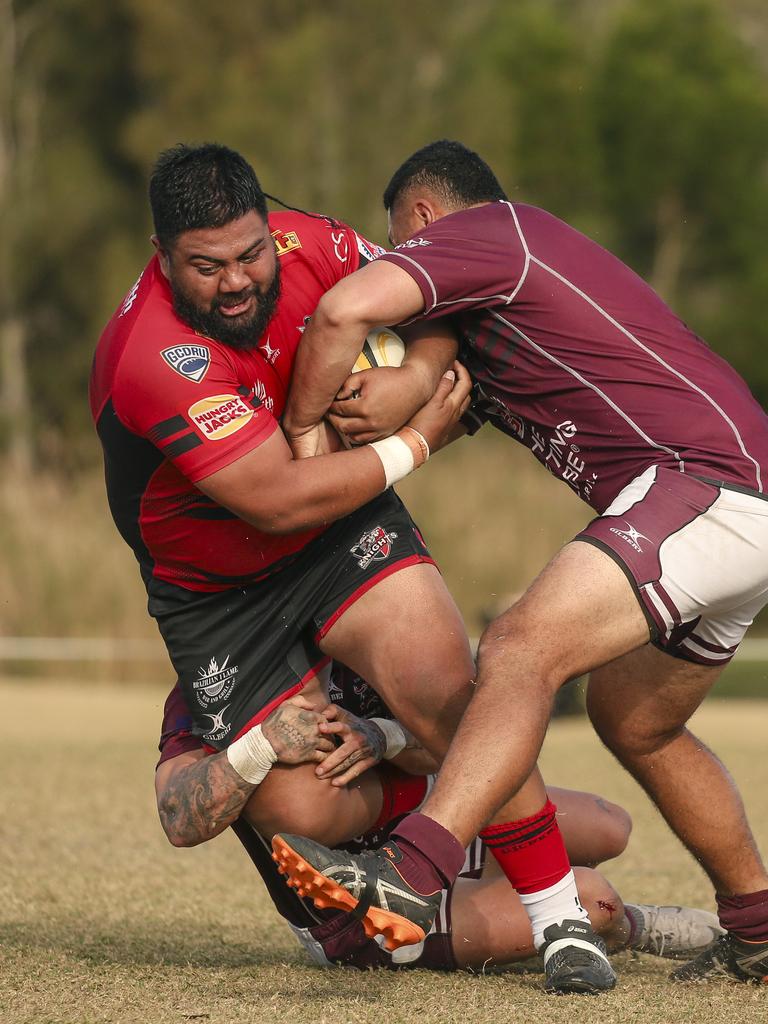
<point>644,122</point>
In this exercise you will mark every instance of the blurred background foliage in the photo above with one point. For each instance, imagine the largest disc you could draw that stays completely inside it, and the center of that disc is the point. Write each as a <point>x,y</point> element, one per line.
<point>643,122</point>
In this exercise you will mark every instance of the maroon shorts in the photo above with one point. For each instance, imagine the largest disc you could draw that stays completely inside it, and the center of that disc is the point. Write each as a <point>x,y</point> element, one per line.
<point>696,553</point>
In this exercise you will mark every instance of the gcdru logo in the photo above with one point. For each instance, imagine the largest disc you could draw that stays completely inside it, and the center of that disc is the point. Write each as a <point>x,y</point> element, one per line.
<point>191,361</point>
<point>375,545</point>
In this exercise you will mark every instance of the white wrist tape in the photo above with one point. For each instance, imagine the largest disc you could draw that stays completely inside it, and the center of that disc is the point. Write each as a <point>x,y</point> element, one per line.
<point>393,734</point>
<point>252,756</point>
<point>396,457</point>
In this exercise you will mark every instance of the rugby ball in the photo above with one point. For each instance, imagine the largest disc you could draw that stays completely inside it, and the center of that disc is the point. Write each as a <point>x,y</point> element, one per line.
<point>382,347</point>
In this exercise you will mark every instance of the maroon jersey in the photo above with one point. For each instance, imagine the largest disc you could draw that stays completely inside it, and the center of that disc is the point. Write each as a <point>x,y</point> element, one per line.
<point>172,407</point>
<point>578,358</point>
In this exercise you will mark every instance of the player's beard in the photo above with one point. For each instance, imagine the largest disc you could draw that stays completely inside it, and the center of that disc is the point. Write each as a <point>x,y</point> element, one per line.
<point>244,331</point>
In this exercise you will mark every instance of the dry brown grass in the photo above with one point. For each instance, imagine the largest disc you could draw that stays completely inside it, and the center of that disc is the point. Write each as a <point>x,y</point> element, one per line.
<point>102,921</point>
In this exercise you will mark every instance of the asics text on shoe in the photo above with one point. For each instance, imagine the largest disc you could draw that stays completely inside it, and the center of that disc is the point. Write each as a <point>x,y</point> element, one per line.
<point>575,960</point>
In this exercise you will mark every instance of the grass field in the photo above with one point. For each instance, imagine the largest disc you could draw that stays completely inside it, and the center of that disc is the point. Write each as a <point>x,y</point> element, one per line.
<point>102,921</point>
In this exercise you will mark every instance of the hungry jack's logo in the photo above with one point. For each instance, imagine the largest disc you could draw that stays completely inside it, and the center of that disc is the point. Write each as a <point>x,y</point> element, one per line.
<point>219,416</point>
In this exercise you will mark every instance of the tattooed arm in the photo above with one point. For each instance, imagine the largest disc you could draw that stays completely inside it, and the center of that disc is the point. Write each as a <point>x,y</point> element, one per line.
<point>198,796</point>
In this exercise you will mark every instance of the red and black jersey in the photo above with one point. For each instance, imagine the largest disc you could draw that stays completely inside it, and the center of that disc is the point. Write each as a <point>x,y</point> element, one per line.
<point>172,407</point>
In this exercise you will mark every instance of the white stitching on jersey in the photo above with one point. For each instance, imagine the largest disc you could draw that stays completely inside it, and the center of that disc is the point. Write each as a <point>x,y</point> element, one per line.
<point>596,389</point>
<point>525,249</point>
<point>487,298</point>
<point>658,359</point>
<point>422,271</point>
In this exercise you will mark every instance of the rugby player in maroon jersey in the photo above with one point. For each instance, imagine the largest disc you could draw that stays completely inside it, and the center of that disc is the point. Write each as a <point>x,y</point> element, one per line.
<point>575,357</point>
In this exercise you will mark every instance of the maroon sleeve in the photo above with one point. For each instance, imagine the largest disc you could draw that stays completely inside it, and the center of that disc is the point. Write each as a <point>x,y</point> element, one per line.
<point>176,733</point>
<point>475,258</point>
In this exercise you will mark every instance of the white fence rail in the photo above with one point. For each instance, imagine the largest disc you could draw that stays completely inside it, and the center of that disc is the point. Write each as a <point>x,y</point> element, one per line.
<point>50,648</point>
<point>55,648</point>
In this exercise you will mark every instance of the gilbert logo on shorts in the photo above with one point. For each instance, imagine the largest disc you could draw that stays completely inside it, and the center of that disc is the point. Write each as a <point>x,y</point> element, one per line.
<point>190,361</point>
<point>631,536</point>
<point>218,729</point>
<point>220,415</point>
<point>373,546</point>
<point>214,683</point>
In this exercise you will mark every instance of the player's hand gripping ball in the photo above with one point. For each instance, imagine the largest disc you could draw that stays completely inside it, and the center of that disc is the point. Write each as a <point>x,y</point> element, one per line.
<point>381,348</point>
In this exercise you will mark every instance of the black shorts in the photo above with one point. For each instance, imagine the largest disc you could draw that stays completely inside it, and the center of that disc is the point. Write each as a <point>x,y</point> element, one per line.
<point>241,652</point>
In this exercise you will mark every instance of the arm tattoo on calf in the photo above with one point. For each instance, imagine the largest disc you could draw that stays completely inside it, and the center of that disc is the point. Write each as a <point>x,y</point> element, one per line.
<point>202,799</point>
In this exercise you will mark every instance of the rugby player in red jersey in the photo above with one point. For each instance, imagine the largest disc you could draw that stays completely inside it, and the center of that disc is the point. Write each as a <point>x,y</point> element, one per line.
<point>575,357</point>
<point>253,584</point>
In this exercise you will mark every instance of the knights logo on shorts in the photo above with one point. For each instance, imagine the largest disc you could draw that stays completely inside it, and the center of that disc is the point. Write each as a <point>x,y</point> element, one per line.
<point>376,545</point>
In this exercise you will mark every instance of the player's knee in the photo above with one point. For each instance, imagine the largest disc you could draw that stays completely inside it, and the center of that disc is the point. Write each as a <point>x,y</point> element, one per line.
<point>613,831</point>
<point>627,739</point>
<point>512,642</point>
<point>600,900</point>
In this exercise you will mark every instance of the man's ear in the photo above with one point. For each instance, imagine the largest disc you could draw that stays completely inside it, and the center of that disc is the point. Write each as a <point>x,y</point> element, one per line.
<point>427,211</point>
<point>165,262</point>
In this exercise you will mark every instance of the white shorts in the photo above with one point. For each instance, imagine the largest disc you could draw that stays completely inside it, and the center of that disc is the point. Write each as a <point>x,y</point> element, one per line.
<point>696,554</point>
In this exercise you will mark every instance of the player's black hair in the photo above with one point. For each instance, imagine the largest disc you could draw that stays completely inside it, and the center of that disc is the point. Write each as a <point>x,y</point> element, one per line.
<point>454,173</point>
<point>204,186</point>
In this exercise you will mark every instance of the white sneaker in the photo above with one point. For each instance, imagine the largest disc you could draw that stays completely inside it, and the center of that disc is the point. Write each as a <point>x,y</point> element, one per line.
<point>677,933</point>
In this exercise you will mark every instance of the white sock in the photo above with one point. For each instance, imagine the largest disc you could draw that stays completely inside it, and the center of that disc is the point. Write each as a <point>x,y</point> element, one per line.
<point>560,902</point>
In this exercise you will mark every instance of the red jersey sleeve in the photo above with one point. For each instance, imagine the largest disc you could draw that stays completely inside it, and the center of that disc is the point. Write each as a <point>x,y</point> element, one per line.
<point>467,260</point>
<point>186,397</point>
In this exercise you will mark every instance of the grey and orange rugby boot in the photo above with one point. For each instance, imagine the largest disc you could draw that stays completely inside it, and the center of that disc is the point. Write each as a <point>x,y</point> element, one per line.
<point>730,958</point>
<point>366,885</point>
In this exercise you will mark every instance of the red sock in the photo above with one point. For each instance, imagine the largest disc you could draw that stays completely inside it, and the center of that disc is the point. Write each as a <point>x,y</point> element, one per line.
<point>401,793</point>
<point>531,851</point>
<point>746,915</point>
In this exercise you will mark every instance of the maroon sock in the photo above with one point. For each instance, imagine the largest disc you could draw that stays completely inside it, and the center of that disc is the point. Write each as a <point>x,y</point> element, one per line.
<point>401,793</point>
<point>745,915</point>
<point>432,856</point>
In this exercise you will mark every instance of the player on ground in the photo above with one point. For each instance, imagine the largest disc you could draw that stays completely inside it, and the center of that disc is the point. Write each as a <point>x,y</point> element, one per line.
<point>576,357</point>
<point>481,921</point>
